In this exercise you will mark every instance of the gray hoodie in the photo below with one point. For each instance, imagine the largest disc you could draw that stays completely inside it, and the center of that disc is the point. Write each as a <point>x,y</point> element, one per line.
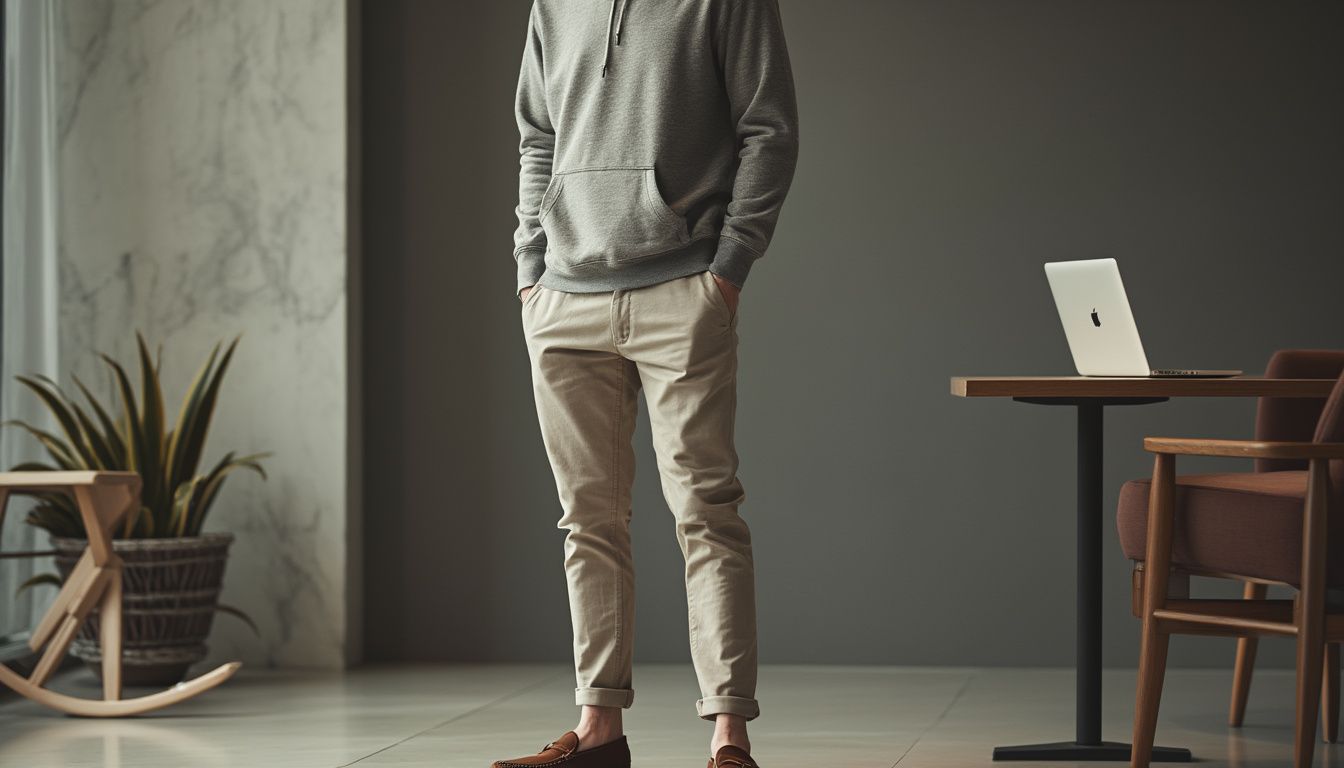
<point>659,139</point>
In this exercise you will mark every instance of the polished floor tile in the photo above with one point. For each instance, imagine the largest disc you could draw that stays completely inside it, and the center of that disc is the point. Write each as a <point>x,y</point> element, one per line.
<point>814,717</point>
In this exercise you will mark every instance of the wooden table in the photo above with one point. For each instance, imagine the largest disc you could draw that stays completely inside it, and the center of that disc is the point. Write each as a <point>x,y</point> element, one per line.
<point>1090,395</point>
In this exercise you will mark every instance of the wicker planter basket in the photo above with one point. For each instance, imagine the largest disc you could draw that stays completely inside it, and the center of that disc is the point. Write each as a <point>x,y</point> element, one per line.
<point>170,589</point>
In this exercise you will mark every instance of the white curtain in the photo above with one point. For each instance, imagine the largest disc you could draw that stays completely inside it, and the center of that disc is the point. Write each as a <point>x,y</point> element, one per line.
<point>29,300</point>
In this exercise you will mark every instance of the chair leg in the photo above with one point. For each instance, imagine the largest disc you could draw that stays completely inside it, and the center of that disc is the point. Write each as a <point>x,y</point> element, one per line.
<point>1310,655</point>
<point>110,636</point>
<point>1310,616</point>
<point>1153,650</point>
<point>1245,666</point>
<point>1152,673</point>
<point>1330,694</point>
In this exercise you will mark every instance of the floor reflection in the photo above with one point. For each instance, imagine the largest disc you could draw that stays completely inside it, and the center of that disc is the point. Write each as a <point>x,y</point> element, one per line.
<point>813,716</point>
<point>113,744</point>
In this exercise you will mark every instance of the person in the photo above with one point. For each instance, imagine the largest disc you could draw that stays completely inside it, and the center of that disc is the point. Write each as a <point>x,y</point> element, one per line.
<point>658,142</point>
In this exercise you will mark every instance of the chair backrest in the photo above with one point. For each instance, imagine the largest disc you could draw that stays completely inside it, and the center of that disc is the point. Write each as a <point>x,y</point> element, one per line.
<point>1330,429</point>
<point>1294,419</point>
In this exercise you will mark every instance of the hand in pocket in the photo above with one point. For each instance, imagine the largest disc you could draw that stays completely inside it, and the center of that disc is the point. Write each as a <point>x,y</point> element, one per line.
<point>731,293</point>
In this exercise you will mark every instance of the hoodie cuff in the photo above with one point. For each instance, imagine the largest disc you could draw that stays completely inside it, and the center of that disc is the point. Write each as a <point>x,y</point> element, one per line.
<point>733,261</point>
<point>531,264</point>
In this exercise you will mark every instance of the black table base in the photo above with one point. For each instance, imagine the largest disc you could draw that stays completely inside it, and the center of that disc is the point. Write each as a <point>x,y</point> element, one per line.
<point>1073,751</point>
<point>1087,744</point>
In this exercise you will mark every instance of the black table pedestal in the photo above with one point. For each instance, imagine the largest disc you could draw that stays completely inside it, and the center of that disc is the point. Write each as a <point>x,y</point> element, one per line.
<point>1097,751</point>
<point>1087,744</point>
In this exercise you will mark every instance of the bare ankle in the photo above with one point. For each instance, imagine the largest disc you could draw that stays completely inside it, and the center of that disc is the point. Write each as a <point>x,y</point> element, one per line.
<point>598,726</point>
<point>729,730</point>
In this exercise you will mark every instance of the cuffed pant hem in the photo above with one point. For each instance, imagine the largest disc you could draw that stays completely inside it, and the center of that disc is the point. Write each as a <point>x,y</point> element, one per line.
<point>604,697</point>
<point>710,706</point>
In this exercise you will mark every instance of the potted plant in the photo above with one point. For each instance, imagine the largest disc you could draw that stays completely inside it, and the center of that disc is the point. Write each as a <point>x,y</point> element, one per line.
<point>172,571</point>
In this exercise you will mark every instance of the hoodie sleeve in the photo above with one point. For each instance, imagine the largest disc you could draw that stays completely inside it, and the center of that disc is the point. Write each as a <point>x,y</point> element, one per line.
<point>759,83</point>
<point>537,150</point>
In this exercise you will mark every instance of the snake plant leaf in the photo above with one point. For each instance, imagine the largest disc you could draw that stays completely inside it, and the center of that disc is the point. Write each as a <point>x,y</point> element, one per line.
<point>130,524</point>
<point>151,423</point>
<point>253,462</point>
<point>215,480</point>
<point>40,579</point>
<point>109,427</point>
<point>146,524</point>
<point>134,436</point>
<point>178,470</point>
<point>131,426</point>
<point>97,443</point>
<point>58,519</point>
<point>196,424</point>
<point>56,498</point>
<point>200,424</point>
<point>56,447</point>
<point>130,416</point>
<point>195,506</point>
<point>184,501</point>
<point>32,466</point>
<point>54,512</point>
<point>56,404</point>
<point>88,439</point>
<point>238,614</point>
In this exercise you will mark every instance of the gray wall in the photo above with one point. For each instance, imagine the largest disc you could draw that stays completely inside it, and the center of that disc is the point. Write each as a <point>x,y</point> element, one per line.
<point>948,149</point>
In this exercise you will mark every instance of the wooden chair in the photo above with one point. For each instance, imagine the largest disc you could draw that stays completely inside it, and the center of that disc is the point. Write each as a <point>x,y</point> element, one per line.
<point>103,499</point>
<point>1291,419</point>
<point>1266,527</point>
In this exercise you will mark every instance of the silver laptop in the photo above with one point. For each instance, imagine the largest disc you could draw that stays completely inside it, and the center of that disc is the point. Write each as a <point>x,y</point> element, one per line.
<point>1099,324</point>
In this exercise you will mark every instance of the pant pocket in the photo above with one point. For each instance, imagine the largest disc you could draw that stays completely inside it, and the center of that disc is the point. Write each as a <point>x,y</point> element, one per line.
<point>608,216</point>
<point>532,295</point>
<point>715,295</point>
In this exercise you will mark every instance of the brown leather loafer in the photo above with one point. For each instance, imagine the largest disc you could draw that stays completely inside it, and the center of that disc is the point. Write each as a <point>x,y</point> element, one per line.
<point>564,753</point>
<point>731,757</point>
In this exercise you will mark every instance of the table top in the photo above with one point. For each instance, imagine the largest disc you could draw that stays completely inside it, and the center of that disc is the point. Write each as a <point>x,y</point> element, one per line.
<point>1103,387</point>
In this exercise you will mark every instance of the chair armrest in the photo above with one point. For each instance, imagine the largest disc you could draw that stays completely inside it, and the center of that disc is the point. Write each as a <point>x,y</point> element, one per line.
<point>1253,449</point>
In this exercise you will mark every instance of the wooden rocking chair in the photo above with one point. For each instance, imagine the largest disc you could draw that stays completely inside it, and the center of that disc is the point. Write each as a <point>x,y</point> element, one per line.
<point>103,499</point>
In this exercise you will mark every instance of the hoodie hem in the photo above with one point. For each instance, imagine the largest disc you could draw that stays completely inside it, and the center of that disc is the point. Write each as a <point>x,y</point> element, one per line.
<point>602,277</point>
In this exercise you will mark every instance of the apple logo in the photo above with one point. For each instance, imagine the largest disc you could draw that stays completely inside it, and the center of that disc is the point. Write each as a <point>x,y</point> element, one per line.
<point>1095,319</point>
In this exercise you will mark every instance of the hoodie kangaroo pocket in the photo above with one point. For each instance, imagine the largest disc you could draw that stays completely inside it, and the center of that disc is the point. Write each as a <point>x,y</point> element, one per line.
<point>608,216</point>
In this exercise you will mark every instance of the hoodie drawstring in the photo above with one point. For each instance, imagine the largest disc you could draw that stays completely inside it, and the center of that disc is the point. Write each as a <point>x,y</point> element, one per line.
<point>620,21</point>
<point>618,15</point>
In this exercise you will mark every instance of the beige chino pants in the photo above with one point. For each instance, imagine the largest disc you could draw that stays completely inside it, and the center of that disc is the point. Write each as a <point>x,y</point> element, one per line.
<point>591,352</point>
